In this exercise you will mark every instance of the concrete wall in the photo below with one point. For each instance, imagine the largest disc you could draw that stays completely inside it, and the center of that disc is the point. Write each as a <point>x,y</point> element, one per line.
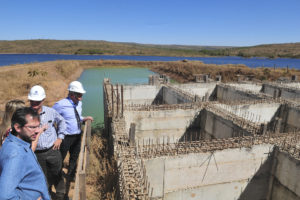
<point>214,126</point>
<point>259,113</point>
<point>287,175</point>
<point>159,124</point>
<point>223,175</point>
<point>247,86</point>
<point>222,93</point>
<point>171,96</point>
<point>140,94</point>
<point>289,119</point>
<point>294,85</point>
<point>285,93</point>
<point>180,125</point>
<point>199,89</point>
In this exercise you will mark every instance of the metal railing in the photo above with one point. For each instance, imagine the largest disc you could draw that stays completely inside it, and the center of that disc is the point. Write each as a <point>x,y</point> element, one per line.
<point>83,162</point>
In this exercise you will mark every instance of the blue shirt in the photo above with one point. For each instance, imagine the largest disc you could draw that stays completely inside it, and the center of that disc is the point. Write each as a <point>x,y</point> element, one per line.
<point>21,176</point>
<point>51,117</point>
<point>65,108</point>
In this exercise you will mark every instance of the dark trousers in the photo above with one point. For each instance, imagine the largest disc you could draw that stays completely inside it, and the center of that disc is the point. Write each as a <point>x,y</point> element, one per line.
<point>71,144</point>
<point>51,163</point>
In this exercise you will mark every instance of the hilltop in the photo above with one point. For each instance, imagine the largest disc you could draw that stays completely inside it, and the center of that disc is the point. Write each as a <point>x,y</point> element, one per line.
<point>99,47</point>
<point>93,47</point>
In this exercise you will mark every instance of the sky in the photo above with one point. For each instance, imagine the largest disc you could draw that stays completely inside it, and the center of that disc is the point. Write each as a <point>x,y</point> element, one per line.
<point>182,22</point>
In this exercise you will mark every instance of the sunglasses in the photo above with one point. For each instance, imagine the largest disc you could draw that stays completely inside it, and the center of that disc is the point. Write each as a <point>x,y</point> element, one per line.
<point>78,95</point>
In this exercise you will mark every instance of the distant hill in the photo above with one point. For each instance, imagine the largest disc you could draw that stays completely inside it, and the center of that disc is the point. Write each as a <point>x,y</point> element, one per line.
<point>99,47</point>
<point>287,50</point>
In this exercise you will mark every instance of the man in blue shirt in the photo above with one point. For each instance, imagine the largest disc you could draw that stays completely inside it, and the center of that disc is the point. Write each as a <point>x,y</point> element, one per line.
<point>71,108</point>
<point>47,150</point>
<point>21,176</point>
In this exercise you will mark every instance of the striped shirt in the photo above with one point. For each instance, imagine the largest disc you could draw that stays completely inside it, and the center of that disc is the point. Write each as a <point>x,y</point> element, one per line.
<point>52,118</point>
<point>65,108</point>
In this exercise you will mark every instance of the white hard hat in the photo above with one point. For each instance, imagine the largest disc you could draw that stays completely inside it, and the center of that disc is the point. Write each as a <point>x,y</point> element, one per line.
<point>76,86</point>
<point>37,93</point>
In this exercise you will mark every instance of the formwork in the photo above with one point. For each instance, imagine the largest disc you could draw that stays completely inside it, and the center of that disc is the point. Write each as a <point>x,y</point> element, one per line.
<point>204,140</point>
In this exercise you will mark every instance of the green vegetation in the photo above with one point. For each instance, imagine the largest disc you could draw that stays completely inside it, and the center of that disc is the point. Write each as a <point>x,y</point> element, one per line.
<point>90,47</point>
<point>289,50</point>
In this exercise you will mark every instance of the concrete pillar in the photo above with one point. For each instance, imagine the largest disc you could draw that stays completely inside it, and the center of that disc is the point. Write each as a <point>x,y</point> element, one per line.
<point>206,78</point>
<point>118,100</point>
<point>272,173</point>
<point>156,80</point>
<point>206,97</point>
<point>122,100</point>
<point>150,80</point>
<point>112,99</point>
<point>166,79</point>
<point>132,134</point>
<point>263,129</point>
<point>276,93</point>
<point>198,78</point>
<point>278,125</point>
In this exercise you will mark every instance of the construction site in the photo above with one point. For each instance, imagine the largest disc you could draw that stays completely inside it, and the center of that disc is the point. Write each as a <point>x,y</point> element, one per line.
<point>205,140</point>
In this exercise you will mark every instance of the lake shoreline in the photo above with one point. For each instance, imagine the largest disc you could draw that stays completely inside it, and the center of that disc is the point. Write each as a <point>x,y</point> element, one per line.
<point>13,59</point>
<point>55,76</point>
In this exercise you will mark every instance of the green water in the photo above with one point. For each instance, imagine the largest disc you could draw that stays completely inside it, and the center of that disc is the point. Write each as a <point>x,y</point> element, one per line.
<point>92,80</point>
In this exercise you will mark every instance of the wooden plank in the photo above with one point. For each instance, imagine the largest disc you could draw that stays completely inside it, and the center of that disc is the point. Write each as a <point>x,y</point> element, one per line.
<point>78,184</point>
<point>88,143</point>
<point>82,183</point>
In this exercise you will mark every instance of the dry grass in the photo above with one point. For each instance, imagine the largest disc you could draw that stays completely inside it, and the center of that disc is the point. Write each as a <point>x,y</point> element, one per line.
<point>184,71</point>
<point>16,81</point>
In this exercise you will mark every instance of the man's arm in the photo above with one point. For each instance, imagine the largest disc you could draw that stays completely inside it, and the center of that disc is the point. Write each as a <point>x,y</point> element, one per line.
<point>35,142</point>
<point>61,129</point>
<point>13,171</point>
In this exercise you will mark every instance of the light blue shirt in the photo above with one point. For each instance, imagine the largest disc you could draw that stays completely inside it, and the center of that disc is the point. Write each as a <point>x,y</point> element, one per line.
<point>21,176</point>
<point>65,108</point>
<point>52,118</point>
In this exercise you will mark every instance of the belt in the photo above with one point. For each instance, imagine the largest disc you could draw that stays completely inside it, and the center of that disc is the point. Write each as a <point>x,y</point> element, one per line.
<point>43,150</point>
<point>73,135</point>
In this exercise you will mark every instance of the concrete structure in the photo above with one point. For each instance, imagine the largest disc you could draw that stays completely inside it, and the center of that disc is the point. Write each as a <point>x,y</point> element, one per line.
<point>204,140</point>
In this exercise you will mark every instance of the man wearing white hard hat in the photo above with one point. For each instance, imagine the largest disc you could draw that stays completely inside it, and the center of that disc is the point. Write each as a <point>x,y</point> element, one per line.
<point>71,109</point>
<point>47,150</point>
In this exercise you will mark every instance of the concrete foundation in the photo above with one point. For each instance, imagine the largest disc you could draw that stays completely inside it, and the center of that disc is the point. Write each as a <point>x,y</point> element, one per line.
<point>204,140</point>
<point>202,175</point>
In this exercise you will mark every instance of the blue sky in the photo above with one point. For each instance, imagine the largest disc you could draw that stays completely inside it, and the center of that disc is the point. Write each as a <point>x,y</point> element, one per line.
<point>189,22</point>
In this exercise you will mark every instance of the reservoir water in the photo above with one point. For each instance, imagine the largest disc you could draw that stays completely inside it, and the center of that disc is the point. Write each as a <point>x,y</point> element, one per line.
<point>11,59</point>
<point>92,80</point>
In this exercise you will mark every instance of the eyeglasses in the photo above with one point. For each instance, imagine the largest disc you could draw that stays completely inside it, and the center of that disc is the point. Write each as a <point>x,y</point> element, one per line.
<point>35,102</point>
<point>78,95</point>
<point>33,127</point>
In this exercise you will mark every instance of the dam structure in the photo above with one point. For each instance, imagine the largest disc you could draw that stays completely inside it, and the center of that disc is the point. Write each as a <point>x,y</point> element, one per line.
<point>204,140</point>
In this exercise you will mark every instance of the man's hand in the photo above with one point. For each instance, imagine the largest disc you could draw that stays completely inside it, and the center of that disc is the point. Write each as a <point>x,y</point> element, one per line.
<point>88,118</point>
<point>43,128</point>
<point>56,144</point>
